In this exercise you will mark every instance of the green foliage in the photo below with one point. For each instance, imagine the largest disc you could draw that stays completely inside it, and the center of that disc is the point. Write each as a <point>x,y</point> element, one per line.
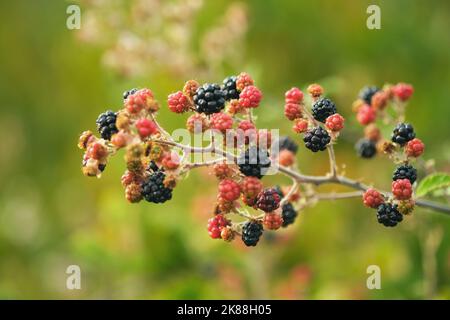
<point>433,182</point>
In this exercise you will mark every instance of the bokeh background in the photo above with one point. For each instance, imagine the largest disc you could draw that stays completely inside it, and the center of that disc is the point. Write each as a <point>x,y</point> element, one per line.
<point>54,82</point>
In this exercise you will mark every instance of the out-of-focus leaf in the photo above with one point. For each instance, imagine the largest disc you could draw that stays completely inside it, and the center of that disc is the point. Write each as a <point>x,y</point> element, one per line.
<point>433,182</point>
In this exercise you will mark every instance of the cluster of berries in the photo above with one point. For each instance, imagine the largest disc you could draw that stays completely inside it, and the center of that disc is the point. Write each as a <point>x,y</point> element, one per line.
<point>371,106</point>
<point>320,126</point>
<point>390,213</point>
<point>238,191</point>
<point>151,167</point>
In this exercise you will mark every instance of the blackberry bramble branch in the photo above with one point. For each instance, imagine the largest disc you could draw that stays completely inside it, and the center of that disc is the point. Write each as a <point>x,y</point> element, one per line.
<point>240,154</point>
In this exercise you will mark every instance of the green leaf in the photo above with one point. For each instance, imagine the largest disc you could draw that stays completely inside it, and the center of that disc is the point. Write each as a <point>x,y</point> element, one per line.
<point>433,182</point>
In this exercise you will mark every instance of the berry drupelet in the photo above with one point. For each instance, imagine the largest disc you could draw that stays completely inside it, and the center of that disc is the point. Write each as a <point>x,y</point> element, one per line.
<point>405,171</point>
<point>229,88</point>
<point>403,133</point>
<point>106,124</point>
<point>253,162</point>
<point>209,99</point>
<point>154,190</point>
<point>288,214</point>
<point>286,143</point>
<point>316,139</point>
<point>322,109</point>
<point>366,148</point>
<point>367,93</point>
<point>388,215</point>
<point>251,232</point>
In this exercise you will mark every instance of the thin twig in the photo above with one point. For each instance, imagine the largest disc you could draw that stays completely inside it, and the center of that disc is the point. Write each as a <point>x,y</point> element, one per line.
<point>315,180</point>
<point>333,166</point>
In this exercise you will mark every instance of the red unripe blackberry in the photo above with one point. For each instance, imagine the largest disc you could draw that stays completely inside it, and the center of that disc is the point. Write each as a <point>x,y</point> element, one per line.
<point>133,192</point>
<point>130,177</point>
<point>222,170</point>
<point>251,232</point>
<point>216,224</point>
<point>286,158</point>
<point>234,107</point>
<point>402,189</point>
<point>221,121</point>
<point>322,109</point>
<point>190,87</point>
<point>300,126</point>
<point>250,97</point>
<point>197,123</point>
<point>315,90</point>
<point>379,100</point>
<point>178,102</point>
<point>272,221</point>
<point>292,111</point>
<point>251,187</point>
<point>246,125</point>
<point>141,99</point>
<point>372,132</point>
<point>229,190</point>
<point>403,133</point>
<point>146,127</point>
<point>414,148</point>
<point>243,80</point>
<point>294,95</point>
<point>224,206</point>
<point>372,198</point>
<point>268,200</point>
<point>366,115</point>
<point>388,215</point>
<point>403,91</point>
<point>335,122</point>
<point>170,161</point>
<point>97,151</point>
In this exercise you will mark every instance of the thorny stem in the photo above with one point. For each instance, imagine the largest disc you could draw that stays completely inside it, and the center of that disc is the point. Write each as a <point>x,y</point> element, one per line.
<point>314,180</point>
<point>293,188</point>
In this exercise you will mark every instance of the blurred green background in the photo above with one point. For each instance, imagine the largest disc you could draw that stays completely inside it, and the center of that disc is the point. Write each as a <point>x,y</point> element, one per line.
<point>54,84</point>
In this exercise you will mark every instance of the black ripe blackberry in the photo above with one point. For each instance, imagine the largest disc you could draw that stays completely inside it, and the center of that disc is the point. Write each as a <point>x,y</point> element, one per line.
<point>129,92</point>
<point>254,162</point>
<point>316,139</point>
<point>229,88</point>
<point>322,109</point>
<point>403,133</point>
<point>106,124</point>
<point>388,215</point>
<point>367,93</point>
<point>209,99</point>
<point>288,214</point>
<point>405,171</point>
<point>286,143</point>
<point>251,232</point>
<point>153,189</point>
<point>366,148</point>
